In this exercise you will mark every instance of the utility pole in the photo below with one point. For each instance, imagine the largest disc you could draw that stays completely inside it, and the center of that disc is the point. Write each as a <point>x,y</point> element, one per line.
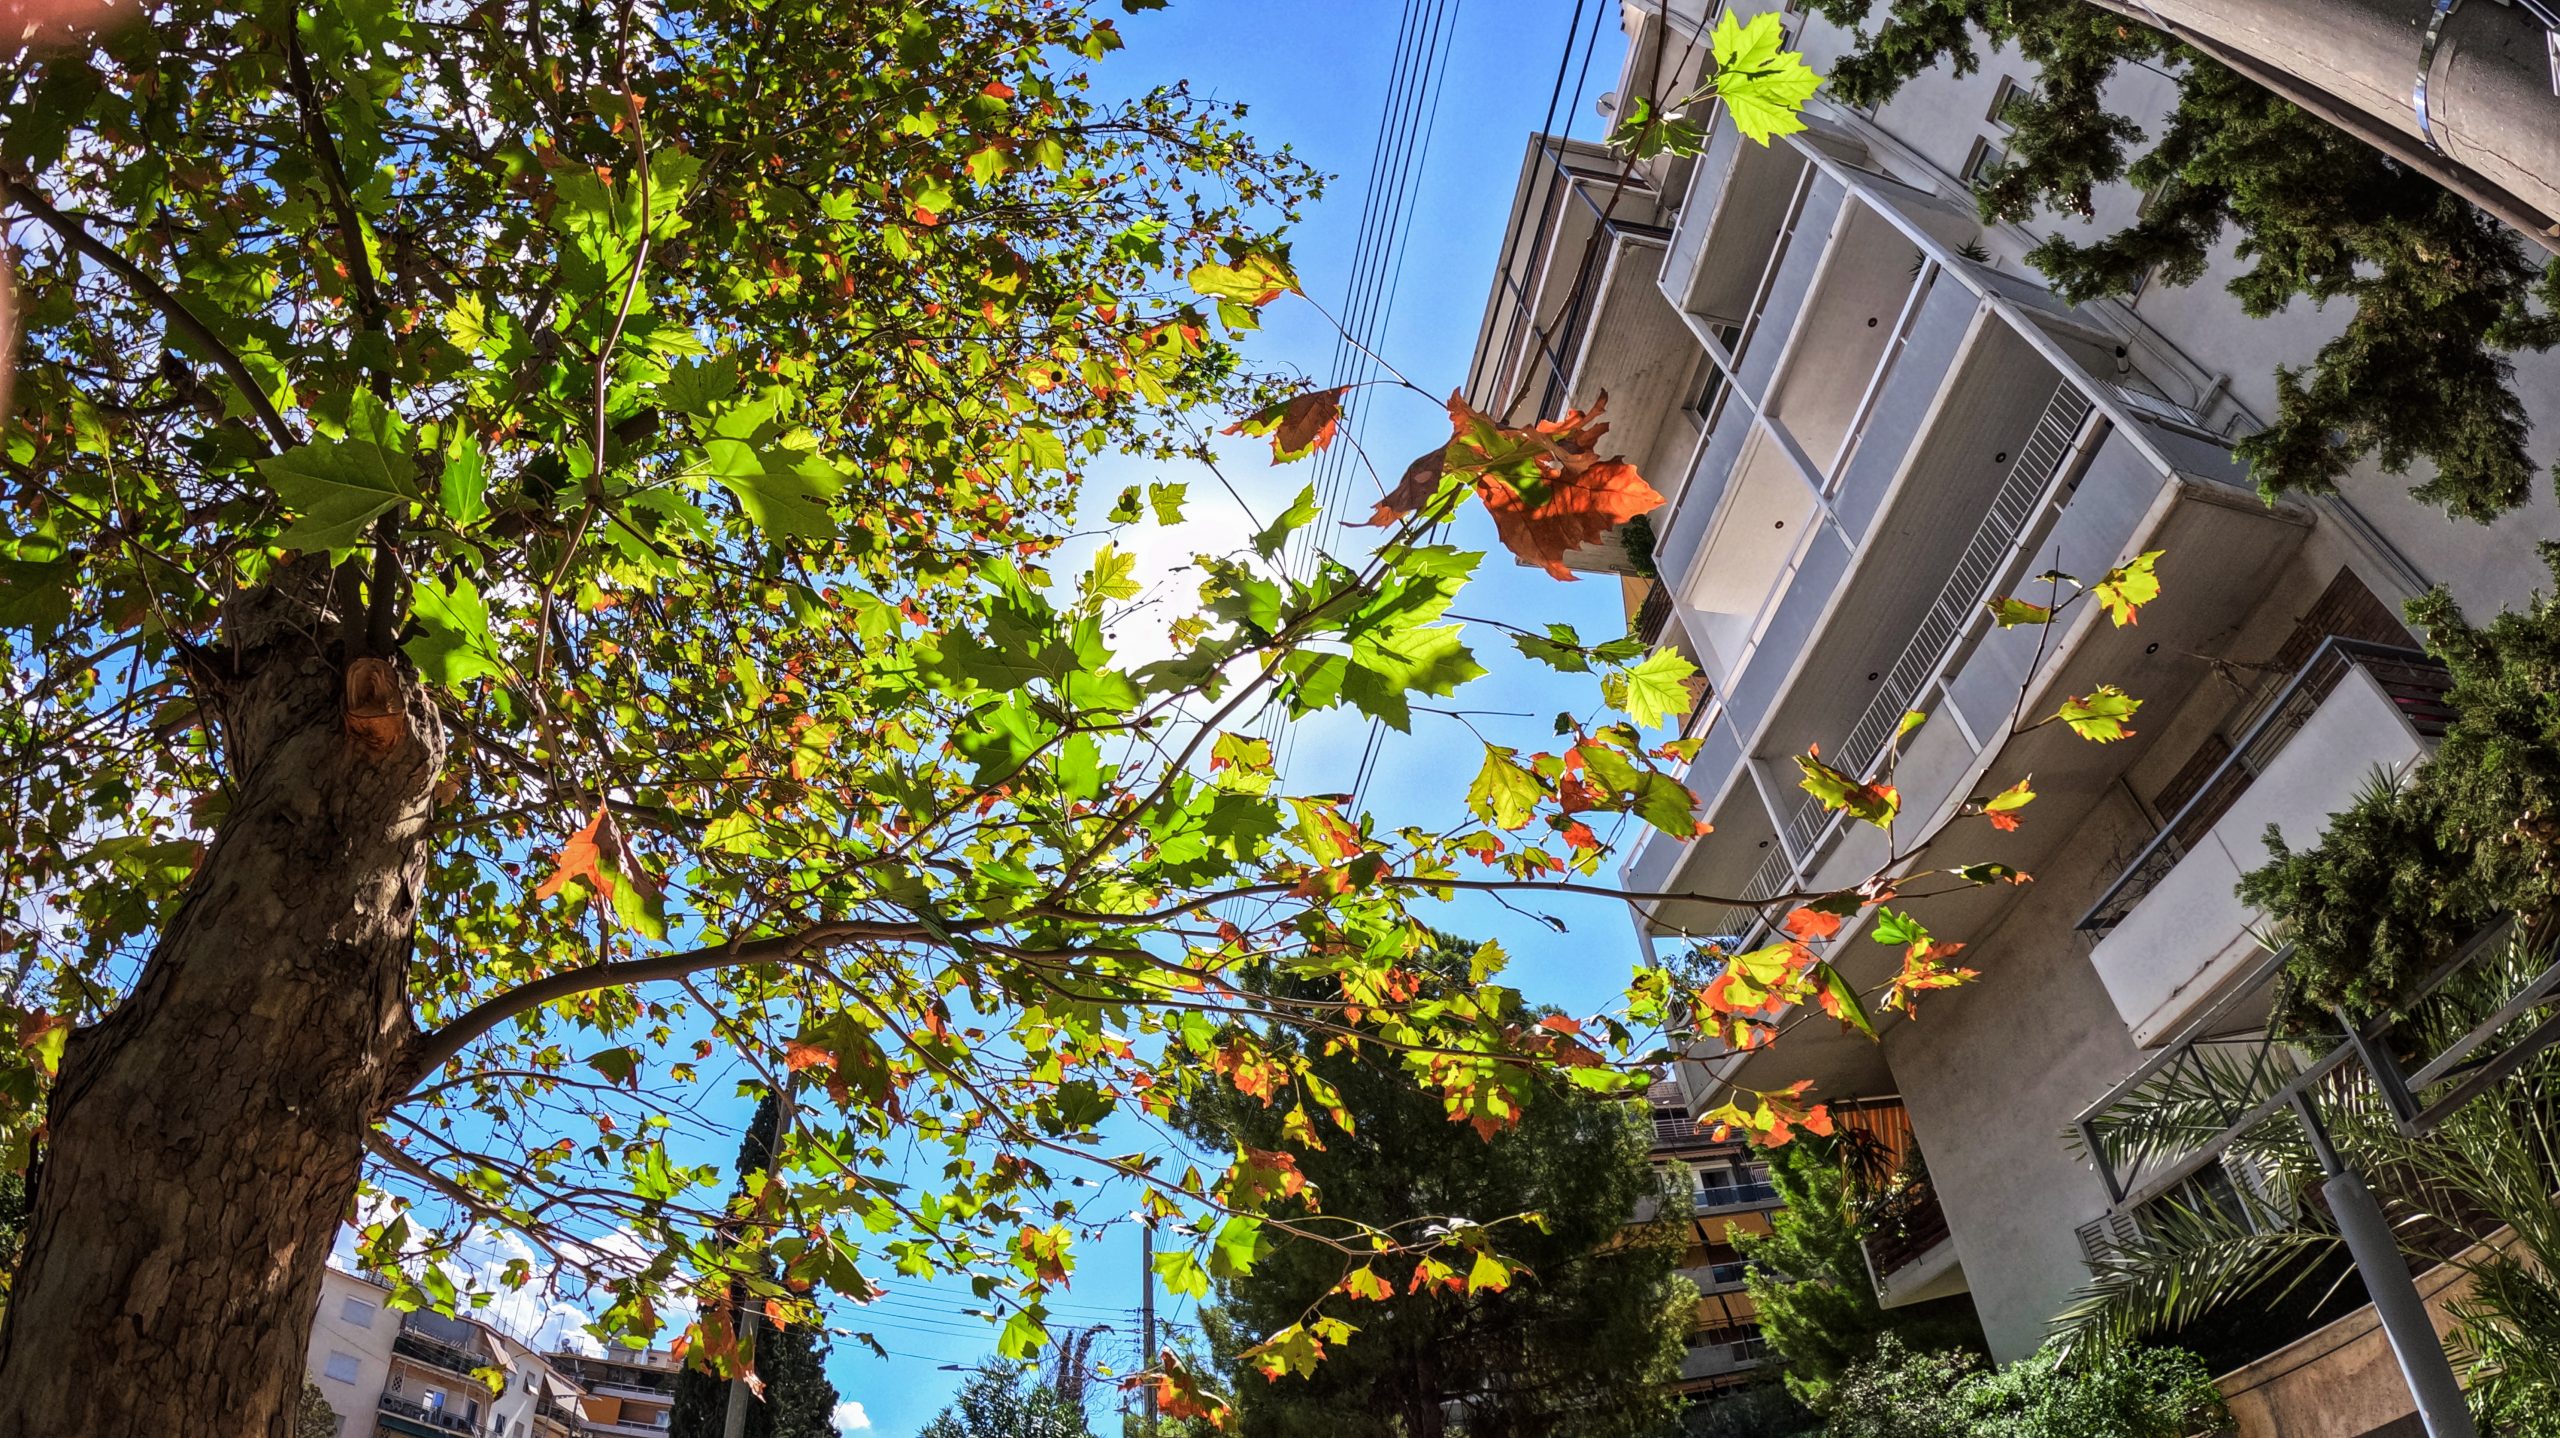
<point>2472,90</point>
<point>1146,1314</point>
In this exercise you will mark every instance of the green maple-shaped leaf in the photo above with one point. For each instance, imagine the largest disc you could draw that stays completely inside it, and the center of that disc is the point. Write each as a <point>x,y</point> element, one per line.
<point>2128,587</point>
<point>1504,794</point>
<point>2009,613</point>
<point>453,646</point>
<point>2100,715</point>
<point>1875,803</point>
<point>1653,691</point>
<point>338,487</point>
<point>1762,86</point>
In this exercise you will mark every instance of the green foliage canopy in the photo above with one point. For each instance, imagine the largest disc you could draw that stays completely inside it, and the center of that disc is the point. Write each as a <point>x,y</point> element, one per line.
<point>2142,1393</point>
<point>1577,1331</point>
<point>2413,868</point>
<point>1005,1400</point>
<point>1811,1288</point>
<point>665,422</point>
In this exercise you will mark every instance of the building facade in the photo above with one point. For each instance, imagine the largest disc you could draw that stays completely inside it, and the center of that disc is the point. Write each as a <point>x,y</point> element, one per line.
<point>1869,417</point>
<point>629,1392</point>
<point>421,1375</point>
<point>1714,1190</point>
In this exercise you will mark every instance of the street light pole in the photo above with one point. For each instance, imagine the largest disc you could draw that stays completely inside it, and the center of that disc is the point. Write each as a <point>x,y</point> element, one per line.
<point>2412,1334</point>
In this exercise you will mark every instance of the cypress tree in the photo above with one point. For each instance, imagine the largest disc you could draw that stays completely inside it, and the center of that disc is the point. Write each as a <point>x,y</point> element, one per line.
<point>799,1400</point>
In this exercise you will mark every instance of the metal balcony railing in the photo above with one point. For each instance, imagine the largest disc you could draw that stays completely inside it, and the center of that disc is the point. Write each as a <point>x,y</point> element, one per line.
<point>1654,615</point>
<point>433,1417</point>
<point>2040,461</point>
<point>2225,1074</point>
<point>437,1353</point>
<point>1738,1195</point>
<point>2415,685</point>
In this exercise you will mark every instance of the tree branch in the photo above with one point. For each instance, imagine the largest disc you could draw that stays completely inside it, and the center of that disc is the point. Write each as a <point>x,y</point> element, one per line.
<point>342,202</point>
<point>158,296</point>
<point>432,1050</point>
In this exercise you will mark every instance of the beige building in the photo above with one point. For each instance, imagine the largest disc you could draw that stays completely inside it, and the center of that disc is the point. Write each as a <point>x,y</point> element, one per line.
<point>1870,416</point>
<point>421,1375</point>
<point>629,1392</point>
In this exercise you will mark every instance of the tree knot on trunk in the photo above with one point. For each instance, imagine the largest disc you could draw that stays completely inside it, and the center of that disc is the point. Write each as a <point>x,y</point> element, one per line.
<point>376,707</point>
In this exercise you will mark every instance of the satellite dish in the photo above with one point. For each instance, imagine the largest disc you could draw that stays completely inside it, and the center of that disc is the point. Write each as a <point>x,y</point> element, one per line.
<point>1607,105</point>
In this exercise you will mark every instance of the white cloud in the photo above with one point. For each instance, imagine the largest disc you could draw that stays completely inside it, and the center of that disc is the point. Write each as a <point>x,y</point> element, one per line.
<point>849,1417</point>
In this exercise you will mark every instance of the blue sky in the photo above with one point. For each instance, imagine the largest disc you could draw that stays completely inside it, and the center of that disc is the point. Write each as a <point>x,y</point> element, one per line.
<point>1315,73</point>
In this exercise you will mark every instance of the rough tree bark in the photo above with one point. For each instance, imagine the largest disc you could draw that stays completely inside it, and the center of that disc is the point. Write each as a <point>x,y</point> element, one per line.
<point>204,1140</point>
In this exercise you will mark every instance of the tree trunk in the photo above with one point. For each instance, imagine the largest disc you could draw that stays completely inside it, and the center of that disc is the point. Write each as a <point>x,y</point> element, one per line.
<point>2489,89</point>
<point>203,1141</point>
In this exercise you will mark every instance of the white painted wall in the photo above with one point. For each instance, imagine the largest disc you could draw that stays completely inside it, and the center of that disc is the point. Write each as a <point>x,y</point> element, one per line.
<point>2192,932</point>
<point>352,1325</point>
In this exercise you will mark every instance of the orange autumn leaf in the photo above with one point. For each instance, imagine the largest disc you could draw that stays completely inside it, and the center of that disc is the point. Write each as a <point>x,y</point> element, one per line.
<point>1583,504</point>
<point>1298,426</point>
<point>1546,486</point>
<point>1811,924</point>
<point>585,856</point>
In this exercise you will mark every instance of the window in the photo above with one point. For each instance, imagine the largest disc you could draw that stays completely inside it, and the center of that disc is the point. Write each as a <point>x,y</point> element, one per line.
<point>433,1402</point>
<point>1984,164</point>
<point>1708,388</point>
<point>357,1312</point>
<point>2009,93</point>
<point>341,1367</point>
<point>2161,194</point>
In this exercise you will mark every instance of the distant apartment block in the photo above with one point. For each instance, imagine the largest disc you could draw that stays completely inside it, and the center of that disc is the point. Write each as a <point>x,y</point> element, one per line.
<point>1717,1188</point>
<point>629,1391</point>
<point>422,1375</point>
<point>1869,416</point>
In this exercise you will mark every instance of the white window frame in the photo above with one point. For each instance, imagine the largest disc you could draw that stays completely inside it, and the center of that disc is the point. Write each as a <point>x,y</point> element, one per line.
<point>1986,156</point>
<point>2009,89</point>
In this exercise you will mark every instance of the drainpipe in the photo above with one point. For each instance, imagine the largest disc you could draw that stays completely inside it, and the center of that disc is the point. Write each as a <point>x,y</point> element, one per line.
<point>2423,1365</point>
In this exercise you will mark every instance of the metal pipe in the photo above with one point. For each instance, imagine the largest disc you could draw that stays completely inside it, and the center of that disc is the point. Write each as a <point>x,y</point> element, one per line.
<point>2376,1254</point>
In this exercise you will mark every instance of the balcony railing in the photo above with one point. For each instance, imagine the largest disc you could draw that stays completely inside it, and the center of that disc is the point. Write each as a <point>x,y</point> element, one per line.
<point>2415,686</point>
<point>1907,1226</point>
<point>2043,459</point>
<point>2040,461</point>
<point>435,1352</point>
<point>1654,615</point>
<point>433,1417</point>
<point>2498,993</point>
<point>1738,1195</point>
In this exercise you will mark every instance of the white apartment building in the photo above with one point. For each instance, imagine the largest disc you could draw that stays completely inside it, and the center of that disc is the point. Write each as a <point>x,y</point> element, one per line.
<point>420,1375</point>
<point>1869,416</point>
